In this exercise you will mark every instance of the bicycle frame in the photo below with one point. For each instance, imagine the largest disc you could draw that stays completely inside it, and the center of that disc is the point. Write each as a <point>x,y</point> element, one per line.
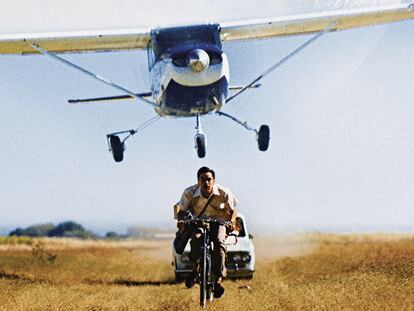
<point>205,276</point>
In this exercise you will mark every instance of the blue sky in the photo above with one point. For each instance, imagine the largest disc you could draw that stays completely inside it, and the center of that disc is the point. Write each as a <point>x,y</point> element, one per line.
<point>340,157</point>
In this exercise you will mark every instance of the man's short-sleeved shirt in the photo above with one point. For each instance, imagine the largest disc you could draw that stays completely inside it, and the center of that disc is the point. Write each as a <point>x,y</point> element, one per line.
<point>222,206</point>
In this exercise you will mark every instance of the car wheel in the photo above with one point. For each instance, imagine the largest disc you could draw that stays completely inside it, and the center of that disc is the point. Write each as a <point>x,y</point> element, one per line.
<point>179,277</point>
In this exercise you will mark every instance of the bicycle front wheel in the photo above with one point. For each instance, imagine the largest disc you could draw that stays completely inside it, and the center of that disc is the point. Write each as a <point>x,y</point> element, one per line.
<point>209,277</point>
<point>203,277</point>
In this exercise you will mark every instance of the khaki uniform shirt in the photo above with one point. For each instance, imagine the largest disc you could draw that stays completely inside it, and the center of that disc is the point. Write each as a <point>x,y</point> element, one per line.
<point>222,206</point>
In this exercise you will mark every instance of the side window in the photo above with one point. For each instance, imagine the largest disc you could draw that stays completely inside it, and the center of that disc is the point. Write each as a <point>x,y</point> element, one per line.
<point>150,55</point>
<point>240,223</point>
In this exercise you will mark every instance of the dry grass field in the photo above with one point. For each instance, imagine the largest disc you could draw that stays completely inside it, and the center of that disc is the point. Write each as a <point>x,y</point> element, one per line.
<point>300,272</point>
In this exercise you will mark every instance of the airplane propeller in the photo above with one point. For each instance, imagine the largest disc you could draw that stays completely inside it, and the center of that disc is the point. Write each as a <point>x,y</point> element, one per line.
<point>198,60</point>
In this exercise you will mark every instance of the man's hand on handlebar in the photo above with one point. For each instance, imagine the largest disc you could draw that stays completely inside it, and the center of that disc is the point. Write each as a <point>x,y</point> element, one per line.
<point>229,227</point>
<point>228,224</point>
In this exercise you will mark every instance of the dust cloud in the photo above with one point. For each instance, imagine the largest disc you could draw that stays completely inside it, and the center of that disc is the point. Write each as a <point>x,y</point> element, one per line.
<point>277,246</point>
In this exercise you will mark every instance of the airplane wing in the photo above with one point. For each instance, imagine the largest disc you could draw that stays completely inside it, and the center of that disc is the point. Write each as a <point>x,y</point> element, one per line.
<point>80,33</point>
<point>76,42</point>
<point>345,17</point>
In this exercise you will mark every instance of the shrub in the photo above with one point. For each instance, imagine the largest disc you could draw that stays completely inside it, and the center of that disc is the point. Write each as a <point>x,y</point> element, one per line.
<point>34,231</point>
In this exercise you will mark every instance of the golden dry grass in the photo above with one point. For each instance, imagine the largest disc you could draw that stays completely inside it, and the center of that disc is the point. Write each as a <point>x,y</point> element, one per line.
<point>301,272</point>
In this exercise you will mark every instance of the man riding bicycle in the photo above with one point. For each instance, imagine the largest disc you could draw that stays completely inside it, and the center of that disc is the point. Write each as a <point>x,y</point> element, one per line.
<point>209,199</point>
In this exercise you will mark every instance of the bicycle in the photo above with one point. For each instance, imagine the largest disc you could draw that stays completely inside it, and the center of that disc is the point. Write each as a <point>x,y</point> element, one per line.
<point>205,276</point>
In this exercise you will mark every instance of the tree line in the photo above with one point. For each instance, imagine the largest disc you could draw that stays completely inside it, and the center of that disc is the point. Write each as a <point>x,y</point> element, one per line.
<point>72,229</point>
<point>68,229</point>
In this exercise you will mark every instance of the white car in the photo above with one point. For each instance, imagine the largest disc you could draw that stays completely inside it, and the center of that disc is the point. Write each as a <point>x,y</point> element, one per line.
<point>240,256</point>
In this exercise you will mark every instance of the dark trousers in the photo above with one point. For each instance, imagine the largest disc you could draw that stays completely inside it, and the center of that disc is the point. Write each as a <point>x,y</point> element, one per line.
<point>218,257</point>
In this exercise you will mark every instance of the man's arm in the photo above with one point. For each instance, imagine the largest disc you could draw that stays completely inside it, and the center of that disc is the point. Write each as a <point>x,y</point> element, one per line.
<point>231,204</point>
<point>181,208</point>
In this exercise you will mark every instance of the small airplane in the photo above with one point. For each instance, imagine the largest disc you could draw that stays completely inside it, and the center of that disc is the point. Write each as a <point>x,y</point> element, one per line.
<point>188,67</point>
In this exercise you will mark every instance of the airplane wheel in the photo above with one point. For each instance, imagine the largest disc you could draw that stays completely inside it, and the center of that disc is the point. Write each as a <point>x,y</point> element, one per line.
<point>201,146</point>
<point>263,137</point>
<point>117,148</point>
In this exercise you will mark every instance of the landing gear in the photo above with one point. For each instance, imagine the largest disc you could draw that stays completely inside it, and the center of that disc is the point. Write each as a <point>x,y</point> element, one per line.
<point>200,140</point>
<point>262,135</point>
<point>117,147</point>
<point>201,145</point>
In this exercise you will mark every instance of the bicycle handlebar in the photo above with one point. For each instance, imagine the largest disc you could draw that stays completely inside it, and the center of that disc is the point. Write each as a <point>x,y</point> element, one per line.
<point>227,223</point>
<point>207,219</point>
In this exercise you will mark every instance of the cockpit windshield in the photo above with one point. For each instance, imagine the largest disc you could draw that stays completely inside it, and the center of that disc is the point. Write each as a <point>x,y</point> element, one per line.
<point>168,39</point>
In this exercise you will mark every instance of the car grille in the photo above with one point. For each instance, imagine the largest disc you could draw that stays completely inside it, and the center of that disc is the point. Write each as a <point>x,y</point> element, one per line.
<point>238,259</point>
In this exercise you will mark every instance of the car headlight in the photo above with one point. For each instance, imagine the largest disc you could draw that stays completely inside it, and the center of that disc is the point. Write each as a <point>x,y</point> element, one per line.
<point>240,257</point>
<point>237,257</point>
<point>246,258</point>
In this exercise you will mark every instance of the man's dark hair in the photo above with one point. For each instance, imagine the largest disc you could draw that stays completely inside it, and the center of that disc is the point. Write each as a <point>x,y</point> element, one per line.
<point>204,170</point>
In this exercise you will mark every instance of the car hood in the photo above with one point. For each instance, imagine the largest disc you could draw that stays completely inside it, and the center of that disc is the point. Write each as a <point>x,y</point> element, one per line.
<point>243,244</point>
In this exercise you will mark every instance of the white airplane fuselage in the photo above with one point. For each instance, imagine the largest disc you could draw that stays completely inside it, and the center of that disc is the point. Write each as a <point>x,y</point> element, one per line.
<point>189,71</point>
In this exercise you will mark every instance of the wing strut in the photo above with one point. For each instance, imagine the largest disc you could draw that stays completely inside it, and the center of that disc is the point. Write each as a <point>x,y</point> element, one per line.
<point>108,98</point>
<point>283,60</point>
<point>91,74</point>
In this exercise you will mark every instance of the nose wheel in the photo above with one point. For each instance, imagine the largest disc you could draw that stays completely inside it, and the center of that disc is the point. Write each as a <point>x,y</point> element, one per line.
<point>200,141</point>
